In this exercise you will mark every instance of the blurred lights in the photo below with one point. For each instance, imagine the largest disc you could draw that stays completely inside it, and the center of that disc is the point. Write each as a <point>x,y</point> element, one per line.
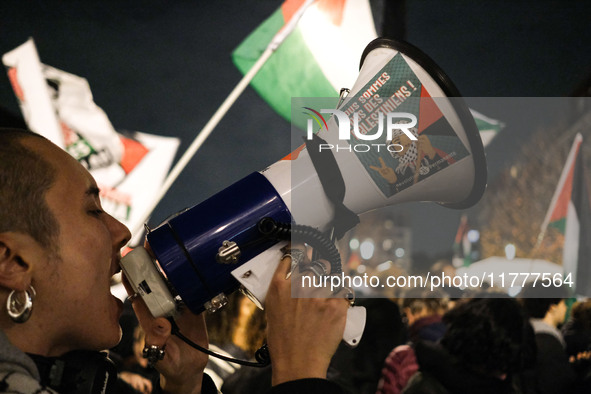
<point>354,244</point>
<point>387,244</point>
<point>366,249</point>
<point>384,266</point>
<point>513,291</point>
<point>514,172</point>
<point>510,251</point>
<point>361,269</point>
<point>399,252</point>
<point>473,236</point>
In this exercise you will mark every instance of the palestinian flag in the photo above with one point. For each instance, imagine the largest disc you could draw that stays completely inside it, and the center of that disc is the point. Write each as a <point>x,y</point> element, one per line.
<point>570,214</point>
<point>317,59</point>
<point>488,127</point>
<point>462,246</point>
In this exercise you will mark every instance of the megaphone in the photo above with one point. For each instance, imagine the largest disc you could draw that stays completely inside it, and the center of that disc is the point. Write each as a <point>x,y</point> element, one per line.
<point>401,134</point>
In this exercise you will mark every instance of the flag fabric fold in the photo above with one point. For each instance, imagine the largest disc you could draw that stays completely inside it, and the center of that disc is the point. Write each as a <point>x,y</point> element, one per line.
<point>487,127</point>
<point>577,249</point>
<point>561,200</point>
<point>570,214</point>
<point>317,59</point>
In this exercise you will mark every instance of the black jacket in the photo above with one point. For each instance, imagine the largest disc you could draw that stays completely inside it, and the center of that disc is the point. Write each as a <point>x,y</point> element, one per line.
<point>552,373</point>
<point>441,373</point>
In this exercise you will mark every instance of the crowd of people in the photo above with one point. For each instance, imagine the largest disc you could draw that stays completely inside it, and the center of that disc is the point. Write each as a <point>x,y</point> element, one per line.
<point>492,343</point>
<point>59,251</point>
<point>427,343</point>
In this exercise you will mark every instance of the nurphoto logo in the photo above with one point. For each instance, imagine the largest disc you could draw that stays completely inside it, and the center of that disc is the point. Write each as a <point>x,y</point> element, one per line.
<point>394,123</point>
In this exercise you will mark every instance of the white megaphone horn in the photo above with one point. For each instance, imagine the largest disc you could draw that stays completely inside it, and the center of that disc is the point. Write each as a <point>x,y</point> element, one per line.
<point>402,134</point>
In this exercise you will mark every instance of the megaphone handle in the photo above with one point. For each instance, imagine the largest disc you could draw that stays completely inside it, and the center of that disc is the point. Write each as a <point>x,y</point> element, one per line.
<point>356,316</point>
<point>260,271</point>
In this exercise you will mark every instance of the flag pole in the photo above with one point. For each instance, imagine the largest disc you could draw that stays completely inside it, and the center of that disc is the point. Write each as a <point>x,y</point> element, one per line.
<point>570,158</point>
<point>222,110</point>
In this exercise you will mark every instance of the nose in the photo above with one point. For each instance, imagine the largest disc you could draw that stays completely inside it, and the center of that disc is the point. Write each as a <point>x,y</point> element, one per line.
<point>120,234</point>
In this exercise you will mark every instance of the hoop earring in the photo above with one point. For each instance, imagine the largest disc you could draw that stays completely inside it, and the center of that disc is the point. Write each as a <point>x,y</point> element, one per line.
<point>19,305</point>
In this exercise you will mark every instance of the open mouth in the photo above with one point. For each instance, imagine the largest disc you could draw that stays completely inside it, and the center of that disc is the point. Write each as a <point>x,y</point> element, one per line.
<point>116,282</point>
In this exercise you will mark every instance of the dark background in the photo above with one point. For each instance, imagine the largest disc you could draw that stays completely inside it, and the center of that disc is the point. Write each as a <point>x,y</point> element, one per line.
<point>164,67</point>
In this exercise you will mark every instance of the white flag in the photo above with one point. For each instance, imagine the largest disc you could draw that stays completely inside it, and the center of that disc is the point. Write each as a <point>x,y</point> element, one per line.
<point>129,169</point>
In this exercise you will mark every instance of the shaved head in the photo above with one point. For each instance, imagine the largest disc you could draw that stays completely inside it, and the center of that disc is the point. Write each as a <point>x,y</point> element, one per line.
<point>25,177</point>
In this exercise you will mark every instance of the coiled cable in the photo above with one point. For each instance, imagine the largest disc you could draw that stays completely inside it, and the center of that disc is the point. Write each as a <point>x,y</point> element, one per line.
<point>325,247</point>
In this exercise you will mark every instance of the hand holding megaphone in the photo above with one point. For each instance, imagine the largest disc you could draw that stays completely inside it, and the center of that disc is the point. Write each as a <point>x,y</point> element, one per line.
<point>305,331</point>
<point>347,168</point>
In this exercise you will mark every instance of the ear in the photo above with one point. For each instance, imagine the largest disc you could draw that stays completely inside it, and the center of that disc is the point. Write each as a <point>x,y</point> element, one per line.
<point>15,266</point>
<point>559,308</point>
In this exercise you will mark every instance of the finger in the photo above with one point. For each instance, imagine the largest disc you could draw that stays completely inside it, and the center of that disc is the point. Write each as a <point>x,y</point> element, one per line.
<point>323,266</point>
<point>141,309</point>
<point>283,268</point>
<point>157,329</point>
<point>148,386</point>
<point>295,255</point>
<point>375,168</point>
<point>382,162</point>
<point>158,332</point>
